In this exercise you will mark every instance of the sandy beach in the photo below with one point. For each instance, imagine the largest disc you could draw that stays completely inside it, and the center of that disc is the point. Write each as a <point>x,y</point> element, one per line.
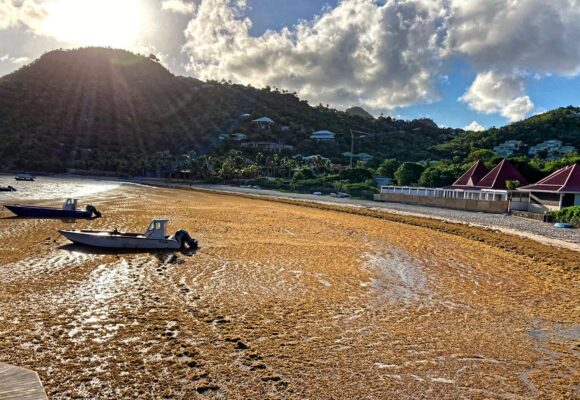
<point>284,301</point>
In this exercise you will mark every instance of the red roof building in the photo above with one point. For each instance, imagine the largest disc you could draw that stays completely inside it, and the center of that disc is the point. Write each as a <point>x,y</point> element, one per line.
<point>565,180</point>
<point>556,191</point>
<point>497,177</point>
<point>470,178</point>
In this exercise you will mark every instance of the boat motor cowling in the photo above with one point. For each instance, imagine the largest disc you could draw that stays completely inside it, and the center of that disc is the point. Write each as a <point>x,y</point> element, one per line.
<point>90,208</point>
<point>183,238</point>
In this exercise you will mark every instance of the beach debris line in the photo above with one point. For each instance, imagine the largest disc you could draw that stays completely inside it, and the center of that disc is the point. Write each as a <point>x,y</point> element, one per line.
<point>155,237</point>
<point>69,209</point>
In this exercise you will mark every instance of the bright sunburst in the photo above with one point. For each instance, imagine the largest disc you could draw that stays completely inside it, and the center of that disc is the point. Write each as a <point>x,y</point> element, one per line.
<point>116,23</point>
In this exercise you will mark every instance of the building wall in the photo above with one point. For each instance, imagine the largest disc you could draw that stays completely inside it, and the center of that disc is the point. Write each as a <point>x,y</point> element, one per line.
<point>459,204</point>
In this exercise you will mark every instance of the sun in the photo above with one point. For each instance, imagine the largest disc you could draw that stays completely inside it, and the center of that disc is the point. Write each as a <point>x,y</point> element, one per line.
<point>115,23</point>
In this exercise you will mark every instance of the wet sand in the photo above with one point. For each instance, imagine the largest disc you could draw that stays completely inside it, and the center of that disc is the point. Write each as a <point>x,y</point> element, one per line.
<point>287,301</point>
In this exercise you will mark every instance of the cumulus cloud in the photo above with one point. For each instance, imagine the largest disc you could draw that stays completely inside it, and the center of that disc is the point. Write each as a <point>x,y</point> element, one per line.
<point>8,14</point>
<point>492,92</point>
<point>29,13</point>
<point>14,60</point>
<point>361,52</point>
<point>383,55</point>
<point>178,6</point>
<point>503,35</point>
<point>474,127</point>
<point>378,54</point>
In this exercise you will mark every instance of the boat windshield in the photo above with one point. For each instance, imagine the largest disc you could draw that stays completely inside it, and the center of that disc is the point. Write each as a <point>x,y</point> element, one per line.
<point>155,228</point>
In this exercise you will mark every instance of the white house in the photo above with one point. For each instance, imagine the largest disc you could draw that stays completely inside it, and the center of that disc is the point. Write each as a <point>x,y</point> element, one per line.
<point>264,121</point>
<point>364,157</point>
<point>322,135</point>
<point>238,137</point>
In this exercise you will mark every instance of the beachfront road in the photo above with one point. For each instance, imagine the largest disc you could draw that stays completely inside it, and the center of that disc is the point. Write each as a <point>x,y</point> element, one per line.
<point>286,301</point>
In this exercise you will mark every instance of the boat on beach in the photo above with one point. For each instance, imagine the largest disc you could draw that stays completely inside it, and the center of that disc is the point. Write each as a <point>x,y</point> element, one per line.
<point>7,189</point>
<point>68,210</point>
<point>154,238</point>
<point>25,178</point>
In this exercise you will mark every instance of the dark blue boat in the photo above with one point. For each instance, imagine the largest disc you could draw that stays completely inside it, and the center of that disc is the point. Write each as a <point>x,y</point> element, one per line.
<point>68,210</point>
<point>25,178</point>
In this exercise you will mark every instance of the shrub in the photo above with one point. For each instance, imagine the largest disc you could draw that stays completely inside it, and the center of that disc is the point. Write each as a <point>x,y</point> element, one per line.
<point>355,175</point>
<point>409,173</point>
<point>570,215</point>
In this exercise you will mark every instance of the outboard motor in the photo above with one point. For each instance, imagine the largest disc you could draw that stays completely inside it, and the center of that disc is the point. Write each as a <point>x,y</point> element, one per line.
<point>93,211</point>
<point>183,238</point>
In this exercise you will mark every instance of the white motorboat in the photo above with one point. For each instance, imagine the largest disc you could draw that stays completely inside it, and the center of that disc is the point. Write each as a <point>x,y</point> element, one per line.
<point>154,238</point>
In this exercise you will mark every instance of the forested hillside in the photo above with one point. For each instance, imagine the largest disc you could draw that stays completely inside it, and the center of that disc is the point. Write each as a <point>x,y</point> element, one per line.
<point>561,124</point>
<point>111,110</point>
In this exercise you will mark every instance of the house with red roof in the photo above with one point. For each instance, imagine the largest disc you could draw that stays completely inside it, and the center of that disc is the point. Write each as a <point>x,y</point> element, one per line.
<point>478,177</point>
<point>496,178</point>
<point>471,177</point>
<point>559,190</point>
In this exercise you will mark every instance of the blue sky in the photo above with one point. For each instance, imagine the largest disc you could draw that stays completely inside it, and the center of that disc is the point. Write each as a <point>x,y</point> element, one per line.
<point>547,93</point>
<point>455,61</point>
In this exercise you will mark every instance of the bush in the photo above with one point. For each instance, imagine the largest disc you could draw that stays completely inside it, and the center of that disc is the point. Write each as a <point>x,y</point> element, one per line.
<point>409,173</point>
<point>434,176</point>
<point>570,215</point>
<point>389,167</point>
<point>355,175</point>
<point>303,174</point>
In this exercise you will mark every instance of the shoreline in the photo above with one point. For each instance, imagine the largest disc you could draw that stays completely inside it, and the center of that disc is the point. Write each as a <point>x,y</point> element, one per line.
<point>349,205</point>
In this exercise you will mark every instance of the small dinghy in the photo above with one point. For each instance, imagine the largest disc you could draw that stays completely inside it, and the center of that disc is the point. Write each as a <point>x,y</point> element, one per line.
<point>68,210</point>
<point>154,238</point>
<point>7,189</point>
<point>26,178</point>
<point>564,225</point>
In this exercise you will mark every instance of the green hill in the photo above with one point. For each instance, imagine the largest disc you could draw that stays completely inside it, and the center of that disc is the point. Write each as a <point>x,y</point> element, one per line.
<point>561,124</point>
<point>112,110</point>
<point>109,109</point>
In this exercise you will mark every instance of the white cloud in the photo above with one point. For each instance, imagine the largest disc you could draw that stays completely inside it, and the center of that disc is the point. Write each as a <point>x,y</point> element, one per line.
<point>14,60</point>
<point>382,55</point>
<point>376,56</point>
<point>493,92</point>
<point>536,35</point>
<point>8,14</point>
<point>178,6</point>
<point>474,127</point>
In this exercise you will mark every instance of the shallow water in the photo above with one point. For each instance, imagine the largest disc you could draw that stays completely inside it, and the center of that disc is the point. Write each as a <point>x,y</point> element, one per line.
<point>54,188</point>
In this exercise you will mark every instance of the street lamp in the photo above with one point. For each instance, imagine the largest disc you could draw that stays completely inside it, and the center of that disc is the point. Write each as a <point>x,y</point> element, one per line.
<point>352,131</point>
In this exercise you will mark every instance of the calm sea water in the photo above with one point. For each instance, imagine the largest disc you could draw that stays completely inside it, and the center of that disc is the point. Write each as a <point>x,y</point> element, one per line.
<point>54,188</point>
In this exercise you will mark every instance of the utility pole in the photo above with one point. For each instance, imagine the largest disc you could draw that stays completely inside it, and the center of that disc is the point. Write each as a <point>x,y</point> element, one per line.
<point>352,142</point>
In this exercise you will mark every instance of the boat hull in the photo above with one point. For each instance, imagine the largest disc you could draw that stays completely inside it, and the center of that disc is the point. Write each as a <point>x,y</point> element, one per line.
<point>120,241</point>
<point>41,212</point>
<point>24,179</point>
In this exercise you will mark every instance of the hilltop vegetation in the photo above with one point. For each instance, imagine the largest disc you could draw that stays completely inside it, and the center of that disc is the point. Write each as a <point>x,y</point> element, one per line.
<point>108,109</point>
<point>99,109</point>
<point>561,124</point>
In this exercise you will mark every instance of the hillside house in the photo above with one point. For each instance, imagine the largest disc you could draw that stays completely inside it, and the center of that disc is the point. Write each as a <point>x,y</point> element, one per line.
<point>263,122</point>
<point>364,157</point>
<point>508,148</point>
<point>322,135</point>
<point>553,149</point>
<point>268,146</point>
